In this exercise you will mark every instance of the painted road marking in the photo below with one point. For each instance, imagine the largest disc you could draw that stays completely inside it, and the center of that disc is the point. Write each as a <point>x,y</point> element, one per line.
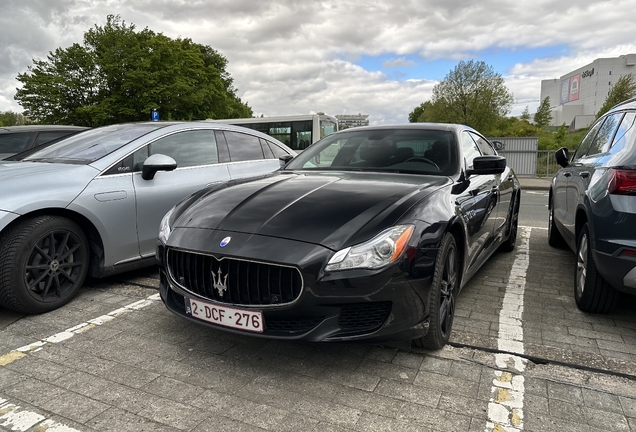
<point>12,417</point>
<point>21,352</point>
<point>505,409</point>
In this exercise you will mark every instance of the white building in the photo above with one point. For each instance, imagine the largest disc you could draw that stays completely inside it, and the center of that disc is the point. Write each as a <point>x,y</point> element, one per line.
<point>346,121</point>
<point>576,97</point>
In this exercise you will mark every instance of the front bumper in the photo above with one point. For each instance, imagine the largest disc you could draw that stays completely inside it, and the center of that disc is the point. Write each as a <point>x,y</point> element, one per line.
<point>380,305</point>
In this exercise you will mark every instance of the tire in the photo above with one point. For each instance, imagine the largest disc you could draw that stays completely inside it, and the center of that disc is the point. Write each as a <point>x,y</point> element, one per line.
<point>511,242</point>
<point>591,292</point>
<point>34,280</point>
<point>555,239</point>
<point>443,295</point>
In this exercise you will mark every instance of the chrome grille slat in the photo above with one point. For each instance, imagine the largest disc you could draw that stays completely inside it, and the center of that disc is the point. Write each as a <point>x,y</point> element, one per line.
<point>248,283</point>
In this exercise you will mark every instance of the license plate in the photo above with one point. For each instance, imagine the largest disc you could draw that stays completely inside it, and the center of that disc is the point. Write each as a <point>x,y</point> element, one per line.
<point>225,316</point>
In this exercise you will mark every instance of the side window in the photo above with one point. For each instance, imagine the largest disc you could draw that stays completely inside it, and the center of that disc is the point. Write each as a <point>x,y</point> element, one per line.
<point>243,147</point>
<point>278,152</point>
<point>266,150</point>
<point>602,140</point>
<point>469,149</point>
<point>44,137</point>
<point>484,146</point>
<point>14,142</point>
<point>625,135</point>
<point>189,148</point>
<point>581,150</point>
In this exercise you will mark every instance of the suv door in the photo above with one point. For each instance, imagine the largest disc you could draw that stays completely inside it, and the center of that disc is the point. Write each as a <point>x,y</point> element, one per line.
<point>583,166</point>
<point>196,154</point>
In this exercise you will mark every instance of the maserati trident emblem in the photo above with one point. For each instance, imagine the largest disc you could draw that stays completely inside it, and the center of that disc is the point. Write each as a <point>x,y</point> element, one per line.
<point>220,282</point>
<point>225,241</point>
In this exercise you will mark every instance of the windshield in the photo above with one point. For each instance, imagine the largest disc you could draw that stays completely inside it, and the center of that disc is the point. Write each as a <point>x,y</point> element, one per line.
<point>413,151</point>
<point>91,145</point>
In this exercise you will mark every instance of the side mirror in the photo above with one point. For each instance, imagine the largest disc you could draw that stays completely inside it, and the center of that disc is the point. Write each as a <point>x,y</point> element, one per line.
<point>487,165</point>
<point>157,162</point>
<point>284,160</point>
<point>562,157</point>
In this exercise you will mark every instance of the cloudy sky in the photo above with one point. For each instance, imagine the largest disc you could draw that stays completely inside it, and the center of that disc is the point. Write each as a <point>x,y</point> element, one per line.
<point>375,57</point>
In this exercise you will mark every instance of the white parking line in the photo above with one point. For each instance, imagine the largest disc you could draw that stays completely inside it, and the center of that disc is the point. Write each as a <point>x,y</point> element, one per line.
<point>12,417</point>
<point>505,409</point>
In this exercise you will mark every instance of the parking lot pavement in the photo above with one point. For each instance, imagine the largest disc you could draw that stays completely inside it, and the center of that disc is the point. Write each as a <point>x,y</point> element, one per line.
<point>521,357</point>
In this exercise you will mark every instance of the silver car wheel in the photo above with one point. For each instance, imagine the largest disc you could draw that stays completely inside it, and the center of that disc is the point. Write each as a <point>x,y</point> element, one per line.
<point>581,265</point>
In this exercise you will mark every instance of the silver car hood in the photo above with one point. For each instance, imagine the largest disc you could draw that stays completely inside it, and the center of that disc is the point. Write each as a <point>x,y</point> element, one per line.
<point>25,186</point>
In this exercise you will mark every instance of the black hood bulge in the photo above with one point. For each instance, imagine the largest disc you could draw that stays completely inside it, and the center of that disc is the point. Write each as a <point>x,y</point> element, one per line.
<point>320,208</point>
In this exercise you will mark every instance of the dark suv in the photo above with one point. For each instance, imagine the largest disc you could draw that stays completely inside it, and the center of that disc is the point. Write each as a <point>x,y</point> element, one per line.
<point>16,139</point>
<point>593,209</point>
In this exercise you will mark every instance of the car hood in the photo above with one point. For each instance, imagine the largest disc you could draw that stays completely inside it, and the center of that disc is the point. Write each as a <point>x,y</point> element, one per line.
<point>326,208</point>
<point>25,186</point>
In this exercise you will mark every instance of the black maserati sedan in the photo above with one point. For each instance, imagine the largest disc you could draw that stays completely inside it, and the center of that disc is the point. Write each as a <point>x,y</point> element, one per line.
<point>592,203</point>
<point>369,234</point>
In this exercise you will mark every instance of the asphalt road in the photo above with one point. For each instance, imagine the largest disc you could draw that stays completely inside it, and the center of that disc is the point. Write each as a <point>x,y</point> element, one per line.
<point>521,357</point>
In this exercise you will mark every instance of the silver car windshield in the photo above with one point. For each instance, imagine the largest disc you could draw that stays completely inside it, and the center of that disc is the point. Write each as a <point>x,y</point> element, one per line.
<point>91,145</point>
<point>410,151</point>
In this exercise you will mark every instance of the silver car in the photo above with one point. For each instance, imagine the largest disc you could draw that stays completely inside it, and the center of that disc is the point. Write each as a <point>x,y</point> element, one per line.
<point>91,204</point>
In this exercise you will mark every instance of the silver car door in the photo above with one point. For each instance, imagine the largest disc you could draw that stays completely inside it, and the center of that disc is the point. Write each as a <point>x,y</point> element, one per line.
<point>109,202</point>
<point>195,152</point>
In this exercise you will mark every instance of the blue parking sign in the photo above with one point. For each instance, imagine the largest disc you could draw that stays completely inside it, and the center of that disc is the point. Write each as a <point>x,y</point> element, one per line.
<point>155,115</point>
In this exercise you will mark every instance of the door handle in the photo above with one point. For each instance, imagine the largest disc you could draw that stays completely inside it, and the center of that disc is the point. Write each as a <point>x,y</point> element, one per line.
<point>567,174</point>
<point>584,174</point>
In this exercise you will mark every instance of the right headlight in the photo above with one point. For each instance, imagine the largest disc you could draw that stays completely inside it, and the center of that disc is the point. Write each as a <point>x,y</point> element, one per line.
<point>164,226</point>
<point>378,252</point>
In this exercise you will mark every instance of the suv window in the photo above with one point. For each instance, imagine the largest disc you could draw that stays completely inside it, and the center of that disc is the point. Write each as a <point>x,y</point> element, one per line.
<point>469,149</point>
<point>602,140</point>
<point>581,150</point>
<point>189,148</point>
<point>243,147</point>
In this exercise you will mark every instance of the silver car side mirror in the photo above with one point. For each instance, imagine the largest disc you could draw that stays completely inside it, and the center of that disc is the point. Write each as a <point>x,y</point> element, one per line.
<point>157,162</point>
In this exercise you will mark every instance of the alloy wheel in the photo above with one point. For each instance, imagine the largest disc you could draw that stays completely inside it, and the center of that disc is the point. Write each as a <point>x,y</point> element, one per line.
<point>447,292</point>
<point>581,265</point>
<point>54,266</point>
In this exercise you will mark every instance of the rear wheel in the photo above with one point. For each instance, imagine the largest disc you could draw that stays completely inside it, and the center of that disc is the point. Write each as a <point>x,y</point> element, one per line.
<point>555,239</point>
<point>442,296</point>
<point>591,292</point>
<point>511,242</point>
<point>43,263</point>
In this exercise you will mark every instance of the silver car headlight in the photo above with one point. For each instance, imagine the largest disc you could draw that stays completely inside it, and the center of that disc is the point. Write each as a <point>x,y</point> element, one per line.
<point>164,226</point>
<point>378,252</point>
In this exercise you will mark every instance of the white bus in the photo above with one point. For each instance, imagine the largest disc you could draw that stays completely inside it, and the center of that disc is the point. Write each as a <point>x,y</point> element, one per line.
<point>298,131</point>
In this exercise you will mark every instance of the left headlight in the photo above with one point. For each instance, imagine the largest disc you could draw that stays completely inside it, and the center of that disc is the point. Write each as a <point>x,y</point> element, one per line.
<point>381,250</point>
<point>164,226</point>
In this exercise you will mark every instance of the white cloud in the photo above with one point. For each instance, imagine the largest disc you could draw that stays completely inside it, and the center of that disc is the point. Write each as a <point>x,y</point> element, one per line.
<point>294,56</point>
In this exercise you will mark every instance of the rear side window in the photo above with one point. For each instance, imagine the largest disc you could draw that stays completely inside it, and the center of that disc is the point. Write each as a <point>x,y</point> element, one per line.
<point>602,140</point>
<point>14,142</point>
<point>243,147</point>
<point>44,137</point>
<point>624,134</point>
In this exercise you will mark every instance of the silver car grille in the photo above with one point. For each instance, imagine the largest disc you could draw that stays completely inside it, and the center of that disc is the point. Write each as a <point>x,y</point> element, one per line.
<point>234,281</point>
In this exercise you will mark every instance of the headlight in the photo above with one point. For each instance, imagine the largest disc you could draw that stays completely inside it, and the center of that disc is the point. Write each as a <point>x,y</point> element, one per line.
<point>381,250</point>
<point>164,226</point>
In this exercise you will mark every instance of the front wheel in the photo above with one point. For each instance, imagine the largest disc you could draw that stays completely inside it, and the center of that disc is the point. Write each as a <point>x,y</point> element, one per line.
<point>591,292</point>
<point>511,242</point>
<point>43,263</point>
<point>442,296</point>
<point>555,239</point>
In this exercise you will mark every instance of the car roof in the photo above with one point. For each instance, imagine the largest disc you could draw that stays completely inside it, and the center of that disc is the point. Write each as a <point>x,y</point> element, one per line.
<point>413,126</point>
<point>39,128</point>
<point>628,104</point>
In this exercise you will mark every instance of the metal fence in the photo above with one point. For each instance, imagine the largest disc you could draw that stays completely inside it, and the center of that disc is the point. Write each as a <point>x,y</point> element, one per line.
<point>523,156</point>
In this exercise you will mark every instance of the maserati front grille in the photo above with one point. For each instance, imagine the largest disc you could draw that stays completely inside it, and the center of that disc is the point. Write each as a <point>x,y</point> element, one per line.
<point>234,281</point>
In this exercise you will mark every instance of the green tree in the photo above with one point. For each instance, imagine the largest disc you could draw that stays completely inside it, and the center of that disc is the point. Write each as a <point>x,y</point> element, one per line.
<point>561,134</point>
<point>417,115</point>
<point>473,94</point>
<point>543,116</point>
<point>10,118</point>
<point>119,74</point>
<point>525,115</point>
<point>623,89</point>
